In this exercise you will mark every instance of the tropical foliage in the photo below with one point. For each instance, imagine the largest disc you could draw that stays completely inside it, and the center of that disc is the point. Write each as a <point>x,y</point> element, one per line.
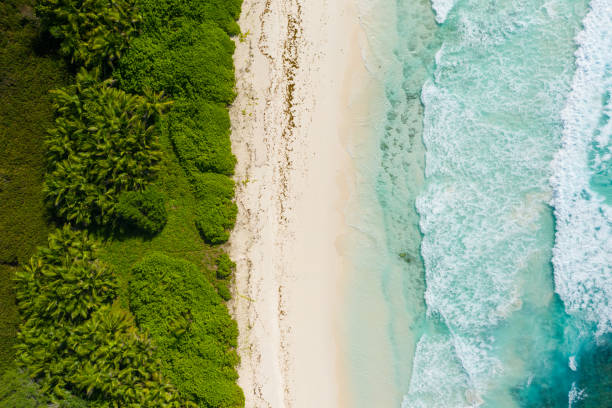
<point>105,142</point>
<point>200,134</point>
<point>73,341</point>
<point>225,268</point>
<point>26,76</point>
<point>64,282</point>
<point>187,58</point>
<point>143,210</point>
<point>192,61</point>
<point>216,213</point>
<point>92,33</point>
<point>223,13</point>
<point>77,347</point>
<point>18,390</point>
<point>195,336</point>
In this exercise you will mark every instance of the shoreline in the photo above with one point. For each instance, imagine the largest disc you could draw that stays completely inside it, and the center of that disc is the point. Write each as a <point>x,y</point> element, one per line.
<point>297,71</point>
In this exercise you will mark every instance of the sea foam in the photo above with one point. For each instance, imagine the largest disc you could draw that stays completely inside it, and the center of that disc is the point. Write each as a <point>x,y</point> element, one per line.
<point>582,256</point>
<point>491,126</point>
<point>442,8</point>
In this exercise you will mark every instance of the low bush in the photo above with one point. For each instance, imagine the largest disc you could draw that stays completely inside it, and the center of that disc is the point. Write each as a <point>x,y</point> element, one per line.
<point>223,290</point>
<point>189,322</point>
<point>143,210</point>
<point>158,13</point>
<point>105,142</point>
<point>91,32</point>
<point>200,134</point>
<point>216,212</point>
<point>186,59</point>
<point>225,266</point>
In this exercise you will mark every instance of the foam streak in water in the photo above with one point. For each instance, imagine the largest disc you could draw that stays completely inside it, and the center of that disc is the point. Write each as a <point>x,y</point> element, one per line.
<point>492,125</point>
<point>582,256</point>
<point>442,8</point>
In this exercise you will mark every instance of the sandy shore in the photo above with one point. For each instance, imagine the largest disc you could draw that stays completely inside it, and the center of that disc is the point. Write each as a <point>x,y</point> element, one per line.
<point>296,67</point>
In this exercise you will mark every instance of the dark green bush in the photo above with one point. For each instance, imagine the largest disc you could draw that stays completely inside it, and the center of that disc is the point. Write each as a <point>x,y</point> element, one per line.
<point>223,290</point>
<point>158,13</point>
<point>92,32</point>
<point>187,59</point>
<point>225,266</point>
<point>200,134</point>
<point>216,213</point>
<point>189,322</point>
<point>64,281</point>
<point>104,142</point>
<point>143,210</point>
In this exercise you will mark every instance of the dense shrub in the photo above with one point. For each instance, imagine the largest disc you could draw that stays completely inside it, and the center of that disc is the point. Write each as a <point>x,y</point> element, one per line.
<point>192,61</point>
<point>92,32</point>
<point>113,361</point>
<point>17,390</point>
<point>225,266</point>
<point>104,142</point>
<point>223,290</point>
<point>105,360</point>
<point>216,213</point>
<point>64,281</point>
<point>195,334</point>
<point>200,134</point>
<point>187,59</point>
<point>158,13</point>
<point>143,210</point>
<point>72,342</point>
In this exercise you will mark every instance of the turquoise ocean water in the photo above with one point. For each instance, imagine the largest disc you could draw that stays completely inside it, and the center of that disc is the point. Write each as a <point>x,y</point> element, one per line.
<point>486,206</point>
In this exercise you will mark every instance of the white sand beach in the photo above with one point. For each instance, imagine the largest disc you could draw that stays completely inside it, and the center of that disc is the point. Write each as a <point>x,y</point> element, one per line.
<point>296,67</point>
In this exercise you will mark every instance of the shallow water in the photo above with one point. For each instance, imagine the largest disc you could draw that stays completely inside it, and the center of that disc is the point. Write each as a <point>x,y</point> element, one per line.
<point>487,205</point>
<point>492,124</point>
<point>386,304</point>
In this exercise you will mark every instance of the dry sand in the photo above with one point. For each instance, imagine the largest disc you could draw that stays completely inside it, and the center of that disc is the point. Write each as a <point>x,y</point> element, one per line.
<point>296,69</point>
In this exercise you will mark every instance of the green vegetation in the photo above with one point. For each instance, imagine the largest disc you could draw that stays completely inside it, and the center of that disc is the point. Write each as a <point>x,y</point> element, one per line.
<point>26,76</point>
<point>200,134</point>
<point>143,210</point>
<point>153,181</point>
<point>192,61</point>
<point>72,341</point>
<point>225,269</point>
<point>92,33</point>
<point>224,13</point>
<point>64,282</point>
<point>216,213</point>
<point>225,266</point>
<point>105,142</point>
<point>195,335</point>
<point>187,59</point>
<point>18,391</point>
